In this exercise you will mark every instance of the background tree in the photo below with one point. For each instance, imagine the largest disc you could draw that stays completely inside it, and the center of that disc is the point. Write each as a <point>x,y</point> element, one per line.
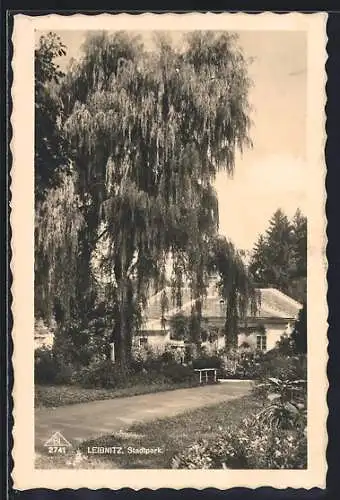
<point>300,241</point>
<point>279,257</point>
<point>274,263</point>
<point>148,131</point>
<point>299,334</point>
<point>299,280</point>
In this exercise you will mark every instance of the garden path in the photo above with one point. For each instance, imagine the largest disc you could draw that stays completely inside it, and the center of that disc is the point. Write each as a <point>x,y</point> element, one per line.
<point>78,422</point>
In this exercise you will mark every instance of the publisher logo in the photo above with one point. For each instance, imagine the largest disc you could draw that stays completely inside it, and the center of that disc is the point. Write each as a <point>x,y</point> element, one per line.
<point>57,443</point>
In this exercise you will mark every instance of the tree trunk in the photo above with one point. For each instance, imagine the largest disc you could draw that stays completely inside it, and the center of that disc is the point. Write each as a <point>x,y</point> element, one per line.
<point>84,282</point>
<point>122,334</point>
<point>231,322</point>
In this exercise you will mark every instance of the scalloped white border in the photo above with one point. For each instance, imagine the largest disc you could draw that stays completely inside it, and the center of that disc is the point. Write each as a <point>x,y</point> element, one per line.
<point>22,218</point>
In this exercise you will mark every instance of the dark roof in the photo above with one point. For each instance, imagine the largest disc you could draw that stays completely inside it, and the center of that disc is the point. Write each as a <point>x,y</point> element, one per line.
<point>272,304</point>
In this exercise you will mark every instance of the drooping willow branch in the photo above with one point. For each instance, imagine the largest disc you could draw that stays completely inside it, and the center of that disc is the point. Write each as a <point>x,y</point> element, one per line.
<point>149,131</point>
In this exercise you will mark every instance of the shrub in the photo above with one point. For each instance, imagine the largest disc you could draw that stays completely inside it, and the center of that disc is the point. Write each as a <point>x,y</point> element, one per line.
<point>285,389</point>
<point>79,346</point>
<point>176,373</point>
<point>207,362</point>
<point>282,367</point>
<point>285,345</point>
<point>48,369</point>
<point>105,374</point>
<point>45,366</point>
<point>168,356</point>
<point>102,374</point>
<point>191,352</point>
<point>284,415</point>
<point>285,402</point>
<point>66,374</point>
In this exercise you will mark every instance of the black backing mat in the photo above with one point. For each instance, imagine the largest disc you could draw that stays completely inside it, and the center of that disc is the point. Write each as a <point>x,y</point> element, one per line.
<point>333,254</point>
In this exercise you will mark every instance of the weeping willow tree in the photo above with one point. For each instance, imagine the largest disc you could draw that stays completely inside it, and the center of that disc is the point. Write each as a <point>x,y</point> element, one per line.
<point>58,224</point>
<point>234,284</point>
<point>58,217</point>
<point>50,149</point>
<point>148,131</point>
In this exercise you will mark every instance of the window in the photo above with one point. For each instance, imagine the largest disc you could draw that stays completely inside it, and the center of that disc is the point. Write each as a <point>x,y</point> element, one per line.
<point>143,341</point>
<point>261,342</point>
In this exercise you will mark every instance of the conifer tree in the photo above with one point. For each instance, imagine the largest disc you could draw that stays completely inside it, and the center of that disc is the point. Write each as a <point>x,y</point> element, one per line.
<point>279,257</point>
<point>300,241</point>
<point>258,262</point>
<point>299,335</point>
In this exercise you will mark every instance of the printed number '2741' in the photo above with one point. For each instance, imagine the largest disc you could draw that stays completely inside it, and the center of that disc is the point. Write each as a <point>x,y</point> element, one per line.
<point>56,449</point>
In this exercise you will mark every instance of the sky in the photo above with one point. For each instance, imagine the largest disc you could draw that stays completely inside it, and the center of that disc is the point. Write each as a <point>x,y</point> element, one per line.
<point>273,174</point>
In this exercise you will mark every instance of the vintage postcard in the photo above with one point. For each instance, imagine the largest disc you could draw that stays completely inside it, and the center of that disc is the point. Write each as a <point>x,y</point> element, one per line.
<point>168,240</point>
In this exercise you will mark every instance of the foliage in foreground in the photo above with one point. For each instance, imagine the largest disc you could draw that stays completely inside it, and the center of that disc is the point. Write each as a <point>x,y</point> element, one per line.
<point>285,403</point>
<point>273,438</point>
<point>250,445</point>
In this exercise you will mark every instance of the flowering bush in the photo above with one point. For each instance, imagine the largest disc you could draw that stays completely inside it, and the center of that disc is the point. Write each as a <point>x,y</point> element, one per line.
<point>195,457</point>
<point>140,354</point>
<point>242,363</point>
<point>151,355</point>
<point>251,445</point>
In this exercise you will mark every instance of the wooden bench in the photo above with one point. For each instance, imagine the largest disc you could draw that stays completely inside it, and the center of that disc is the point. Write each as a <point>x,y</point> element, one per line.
<point>206,371</point>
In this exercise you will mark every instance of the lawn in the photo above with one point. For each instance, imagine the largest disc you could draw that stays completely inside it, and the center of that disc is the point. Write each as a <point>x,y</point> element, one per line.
<point>170,435</point>
<point>60,395</point>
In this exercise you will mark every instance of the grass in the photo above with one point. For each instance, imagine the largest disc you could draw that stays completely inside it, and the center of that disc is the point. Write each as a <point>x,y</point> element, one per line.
<point>172,435</point>
<point>47,396</point>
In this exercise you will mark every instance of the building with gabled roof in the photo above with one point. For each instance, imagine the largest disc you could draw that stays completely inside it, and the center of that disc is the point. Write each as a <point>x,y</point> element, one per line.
<point>275,315</point>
